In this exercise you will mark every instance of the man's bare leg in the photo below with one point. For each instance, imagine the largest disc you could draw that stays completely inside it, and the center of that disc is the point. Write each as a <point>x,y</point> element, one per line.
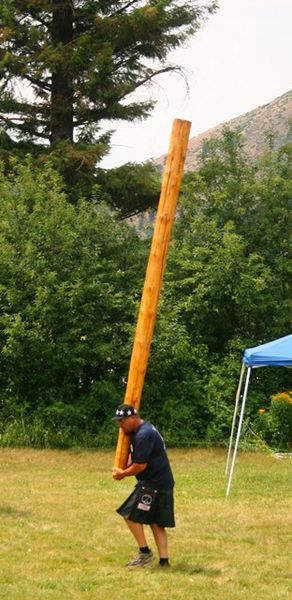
<point>145,554</point>
<point>138,532</point>
<point>160,536</point>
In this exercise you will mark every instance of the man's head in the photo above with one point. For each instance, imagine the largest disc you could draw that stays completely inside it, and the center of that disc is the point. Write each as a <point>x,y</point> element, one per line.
<point>127,417</point>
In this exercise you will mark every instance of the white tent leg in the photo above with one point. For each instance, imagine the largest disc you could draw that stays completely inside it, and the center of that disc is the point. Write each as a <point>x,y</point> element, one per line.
<point>234,416</point>
<point>239,429</point>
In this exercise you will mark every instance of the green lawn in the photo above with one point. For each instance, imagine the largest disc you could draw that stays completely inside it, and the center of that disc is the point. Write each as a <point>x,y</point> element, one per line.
<point>61,537</point>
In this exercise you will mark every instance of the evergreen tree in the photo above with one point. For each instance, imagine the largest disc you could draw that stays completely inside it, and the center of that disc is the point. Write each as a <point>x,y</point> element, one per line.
<point>67,65</point>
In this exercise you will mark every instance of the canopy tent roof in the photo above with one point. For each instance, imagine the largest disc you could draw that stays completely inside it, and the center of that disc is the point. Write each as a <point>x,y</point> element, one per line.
<point>276,353</point>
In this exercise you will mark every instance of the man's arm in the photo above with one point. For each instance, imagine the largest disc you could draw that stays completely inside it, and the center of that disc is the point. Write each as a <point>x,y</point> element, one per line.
<point>133,469</point>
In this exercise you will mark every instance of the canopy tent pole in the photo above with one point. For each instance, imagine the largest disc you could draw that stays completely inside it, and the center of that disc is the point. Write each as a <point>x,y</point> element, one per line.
<point>239,429</point>
<point>234,416</point>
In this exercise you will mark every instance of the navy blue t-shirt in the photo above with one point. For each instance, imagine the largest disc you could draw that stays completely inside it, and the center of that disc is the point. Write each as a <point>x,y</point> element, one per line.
<point>148,447</point>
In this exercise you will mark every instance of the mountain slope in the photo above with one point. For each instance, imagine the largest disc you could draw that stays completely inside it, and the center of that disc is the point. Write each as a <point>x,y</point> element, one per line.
<point>254,127</point>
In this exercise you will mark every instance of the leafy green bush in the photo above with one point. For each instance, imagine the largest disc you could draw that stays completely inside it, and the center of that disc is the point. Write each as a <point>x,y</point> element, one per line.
<point>275,422</point>
<point>281,418</point>
<point>70,283</point>
<point>69,280</point>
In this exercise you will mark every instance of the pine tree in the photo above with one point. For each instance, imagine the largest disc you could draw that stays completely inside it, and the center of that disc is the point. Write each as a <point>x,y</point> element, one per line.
<point>68,65</point>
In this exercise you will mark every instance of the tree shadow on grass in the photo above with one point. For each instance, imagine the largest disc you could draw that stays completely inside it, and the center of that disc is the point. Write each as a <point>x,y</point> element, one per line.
<point>8,510</point>
<point>196,570</point>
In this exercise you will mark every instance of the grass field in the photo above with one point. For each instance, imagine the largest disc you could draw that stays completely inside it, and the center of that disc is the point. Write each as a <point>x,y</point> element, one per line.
<point>61,537</point>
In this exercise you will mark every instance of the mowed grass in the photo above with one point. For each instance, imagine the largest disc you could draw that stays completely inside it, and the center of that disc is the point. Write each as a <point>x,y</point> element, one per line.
<point>61,537</point>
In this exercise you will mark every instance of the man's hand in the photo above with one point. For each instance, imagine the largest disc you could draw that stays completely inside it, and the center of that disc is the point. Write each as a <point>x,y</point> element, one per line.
<point>117,473</point>
<point>133,469</point>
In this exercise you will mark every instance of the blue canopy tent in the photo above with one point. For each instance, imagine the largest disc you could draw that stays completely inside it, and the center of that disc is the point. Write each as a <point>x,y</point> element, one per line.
<point>275,353</point>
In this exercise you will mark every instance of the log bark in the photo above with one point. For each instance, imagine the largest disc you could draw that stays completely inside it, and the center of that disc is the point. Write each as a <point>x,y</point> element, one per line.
<point>171,182</point>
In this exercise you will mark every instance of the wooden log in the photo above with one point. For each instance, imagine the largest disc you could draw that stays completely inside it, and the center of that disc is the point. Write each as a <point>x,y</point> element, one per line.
<point>171,182</point>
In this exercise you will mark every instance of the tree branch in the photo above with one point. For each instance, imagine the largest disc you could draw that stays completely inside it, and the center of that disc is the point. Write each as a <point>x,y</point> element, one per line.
<point>121,10</point>
<point>41,84</point>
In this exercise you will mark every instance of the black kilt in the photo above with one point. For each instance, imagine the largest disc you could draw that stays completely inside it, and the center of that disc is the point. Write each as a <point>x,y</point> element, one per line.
<point>147,506</point>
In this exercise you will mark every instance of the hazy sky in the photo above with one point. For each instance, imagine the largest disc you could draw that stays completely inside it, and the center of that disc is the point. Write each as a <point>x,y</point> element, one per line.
<point>240,60</point>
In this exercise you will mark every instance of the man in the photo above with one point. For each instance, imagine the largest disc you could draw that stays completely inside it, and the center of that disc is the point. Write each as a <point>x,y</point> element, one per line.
<point>151,502</point>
